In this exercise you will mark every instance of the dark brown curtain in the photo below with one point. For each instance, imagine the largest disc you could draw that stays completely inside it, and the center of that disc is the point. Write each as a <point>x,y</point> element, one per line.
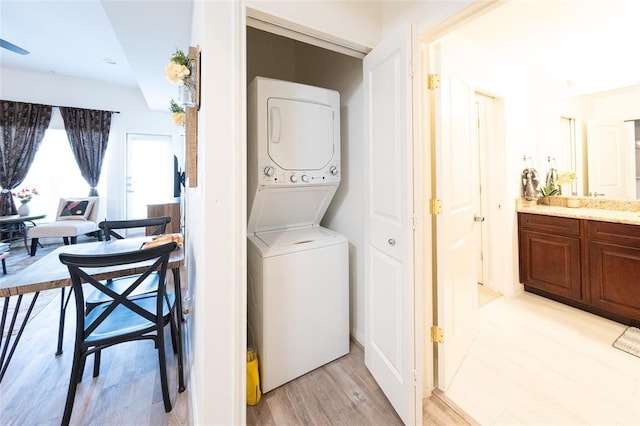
<point>88,133</point>
<point>22,128</point>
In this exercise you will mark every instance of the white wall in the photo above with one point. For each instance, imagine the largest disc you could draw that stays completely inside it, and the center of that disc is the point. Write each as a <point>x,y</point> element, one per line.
<point>216,221</point>
<point>355,21</point>
<point>425,14</point>
<point>134,117</point>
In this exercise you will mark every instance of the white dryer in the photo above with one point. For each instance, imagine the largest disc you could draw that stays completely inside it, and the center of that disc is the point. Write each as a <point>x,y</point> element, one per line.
<point>298,271</point>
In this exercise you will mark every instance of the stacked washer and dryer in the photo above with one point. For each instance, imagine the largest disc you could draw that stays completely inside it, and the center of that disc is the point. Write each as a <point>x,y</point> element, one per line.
<point>298,273</point>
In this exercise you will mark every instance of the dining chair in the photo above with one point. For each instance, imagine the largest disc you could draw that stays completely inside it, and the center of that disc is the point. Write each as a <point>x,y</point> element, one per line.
<point>155,225</point>
<point>122,319</point>
<point>108,228</point>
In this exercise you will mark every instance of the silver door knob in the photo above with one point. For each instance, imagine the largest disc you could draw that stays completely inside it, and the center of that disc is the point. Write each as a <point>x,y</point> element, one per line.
<point>391,242</point>
<point>478,218</point>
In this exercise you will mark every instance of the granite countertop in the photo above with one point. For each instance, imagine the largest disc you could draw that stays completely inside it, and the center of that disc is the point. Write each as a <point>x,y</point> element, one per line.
<point>616,211</point>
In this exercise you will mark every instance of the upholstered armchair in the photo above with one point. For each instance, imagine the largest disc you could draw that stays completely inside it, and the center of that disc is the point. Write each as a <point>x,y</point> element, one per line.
<point>75,216</point>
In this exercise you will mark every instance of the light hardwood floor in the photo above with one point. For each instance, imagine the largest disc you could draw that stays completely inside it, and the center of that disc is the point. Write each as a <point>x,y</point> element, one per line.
<point>536,361</point>
<point>533,361</point>
<point>127,391</point>
<point>342,392</point>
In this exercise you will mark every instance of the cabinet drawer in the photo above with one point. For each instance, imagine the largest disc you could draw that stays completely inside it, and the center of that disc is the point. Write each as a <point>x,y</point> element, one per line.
<point>620,233</point>
<point>550,224</point>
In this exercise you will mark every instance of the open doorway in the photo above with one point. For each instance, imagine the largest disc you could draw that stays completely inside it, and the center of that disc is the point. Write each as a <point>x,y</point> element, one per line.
<point>486,132</point>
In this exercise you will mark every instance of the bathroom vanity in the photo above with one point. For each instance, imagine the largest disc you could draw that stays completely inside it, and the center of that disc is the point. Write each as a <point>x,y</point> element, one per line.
<point>587,257</point>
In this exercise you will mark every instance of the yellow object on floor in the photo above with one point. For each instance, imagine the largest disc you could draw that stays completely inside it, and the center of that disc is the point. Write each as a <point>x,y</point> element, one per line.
<point>253,378</point>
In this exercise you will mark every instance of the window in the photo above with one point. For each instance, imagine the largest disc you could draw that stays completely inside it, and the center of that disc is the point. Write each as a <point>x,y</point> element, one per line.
<point>55,174</point>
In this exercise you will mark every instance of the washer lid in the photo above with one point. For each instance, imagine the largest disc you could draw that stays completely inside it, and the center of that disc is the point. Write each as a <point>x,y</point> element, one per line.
<point>288,207</point>
<point>294,236</point>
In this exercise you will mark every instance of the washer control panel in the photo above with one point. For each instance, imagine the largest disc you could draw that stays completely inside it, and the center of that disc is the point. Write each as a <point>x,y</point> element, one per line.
<point>273,175</point>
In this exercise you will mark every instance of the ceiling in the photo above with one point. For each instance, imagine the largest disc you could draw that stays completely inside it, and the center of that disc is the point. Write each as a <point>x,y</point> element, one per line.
<point>580,46</point>
<point>125,43</point>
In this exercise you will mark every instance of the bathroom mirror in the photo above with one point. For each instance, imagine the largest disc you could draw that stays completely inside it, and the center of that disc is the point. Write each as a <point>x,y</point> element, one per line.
<point>582,56</point>
<point>604,147</point>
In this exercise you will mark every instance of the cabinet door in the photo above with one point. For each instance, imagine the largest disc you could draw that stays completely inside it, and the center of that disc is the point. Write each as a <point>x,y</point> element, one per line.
<point>613,276</point>
<point>551,263</point>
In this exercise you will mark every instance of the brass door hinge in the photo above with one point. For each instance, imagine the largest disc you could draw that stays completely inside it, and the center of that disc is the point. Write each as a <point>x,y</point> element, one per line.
<point>435,206</point>
<point>433,81</point>
<point>437,334</point>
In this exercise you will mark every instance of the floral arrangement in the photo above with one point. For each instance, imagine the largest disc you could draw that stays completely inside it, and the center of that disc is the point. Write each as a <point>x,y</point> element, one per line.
<point>178,69</point>
<point>25,194</point>
<point>177,113</point>
<point>566,178</point>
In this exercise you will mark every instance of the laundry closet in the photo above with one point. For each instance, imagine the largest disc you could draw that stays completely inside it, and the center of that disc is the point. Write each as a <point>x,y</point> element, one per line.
<point>272,57</point>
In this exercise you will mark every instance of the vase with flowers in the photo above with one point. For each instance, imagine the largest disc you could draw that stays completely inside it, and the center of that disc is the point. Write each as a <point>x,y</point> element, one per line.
<point>180,73</point>
<point>25,195</point>
<point>565,180</point>
<point>177,113</point>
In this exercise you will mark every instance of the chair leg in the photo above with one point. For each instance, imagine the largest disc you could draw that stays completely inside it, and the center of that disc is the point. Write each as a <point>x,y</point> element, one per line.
<point>174,337</point>
<point>61,323</point>
<point>164,383</point>
<point>181,386</point>
<point>96,363</point>
<point>76,374</point>
<point>34,246</point>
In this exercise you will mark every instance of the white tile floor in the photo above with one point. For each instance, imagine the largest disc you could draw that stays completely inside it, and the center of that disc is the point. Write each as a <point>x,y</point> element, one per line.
<point>538,362</point>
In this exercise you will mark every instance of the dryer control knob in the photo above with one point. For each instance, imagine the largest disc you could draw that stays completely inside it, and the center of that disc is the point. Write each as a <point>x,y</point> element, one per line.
<point>269,171</point>
<point>293,178</point>
<point>305,178</point>
<point>333,170</point>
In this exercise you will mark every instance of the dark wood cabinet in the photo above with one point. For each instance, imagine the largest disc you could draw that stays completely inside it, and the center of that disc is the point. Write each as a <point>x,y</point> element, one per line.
<point>614,268</point>
<point>588,264</point>
<point>166,209</point>
<point>550,254</point>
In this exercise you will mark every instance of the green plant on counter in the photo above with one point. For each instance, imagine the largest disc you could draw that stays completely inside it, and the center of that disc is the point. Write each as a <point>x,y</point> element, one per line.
<point>548,192</point>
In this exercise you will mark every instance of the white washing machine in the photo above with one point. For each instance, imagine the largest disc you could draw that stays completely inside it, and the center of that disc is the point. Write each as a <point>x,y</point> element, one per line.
<point>298,271</point>
<point>298,301</point>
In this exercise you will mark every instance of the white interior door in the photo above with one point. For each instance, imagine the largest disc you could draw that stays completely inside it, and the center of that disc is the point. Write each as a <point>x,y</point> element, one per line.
<point>611,154</point>
<point>457,186</point>
<point>149,172</point>
<point>389,276</point>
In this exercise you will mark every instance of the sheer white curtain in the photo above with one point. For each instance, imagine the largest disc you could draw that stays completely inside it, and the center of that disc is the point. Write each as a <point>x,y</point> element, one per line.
<point>54,174</point>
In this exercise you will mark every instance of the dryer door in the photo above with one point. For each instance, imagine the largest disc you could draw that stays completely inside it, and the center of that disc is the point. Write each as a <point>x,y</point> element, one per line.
<point>301,134</point>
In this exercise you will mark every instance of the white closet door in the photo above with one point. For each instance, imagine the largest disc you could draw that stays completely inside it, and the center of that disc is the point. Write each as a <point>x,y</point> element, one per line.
<point>389,276</point>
